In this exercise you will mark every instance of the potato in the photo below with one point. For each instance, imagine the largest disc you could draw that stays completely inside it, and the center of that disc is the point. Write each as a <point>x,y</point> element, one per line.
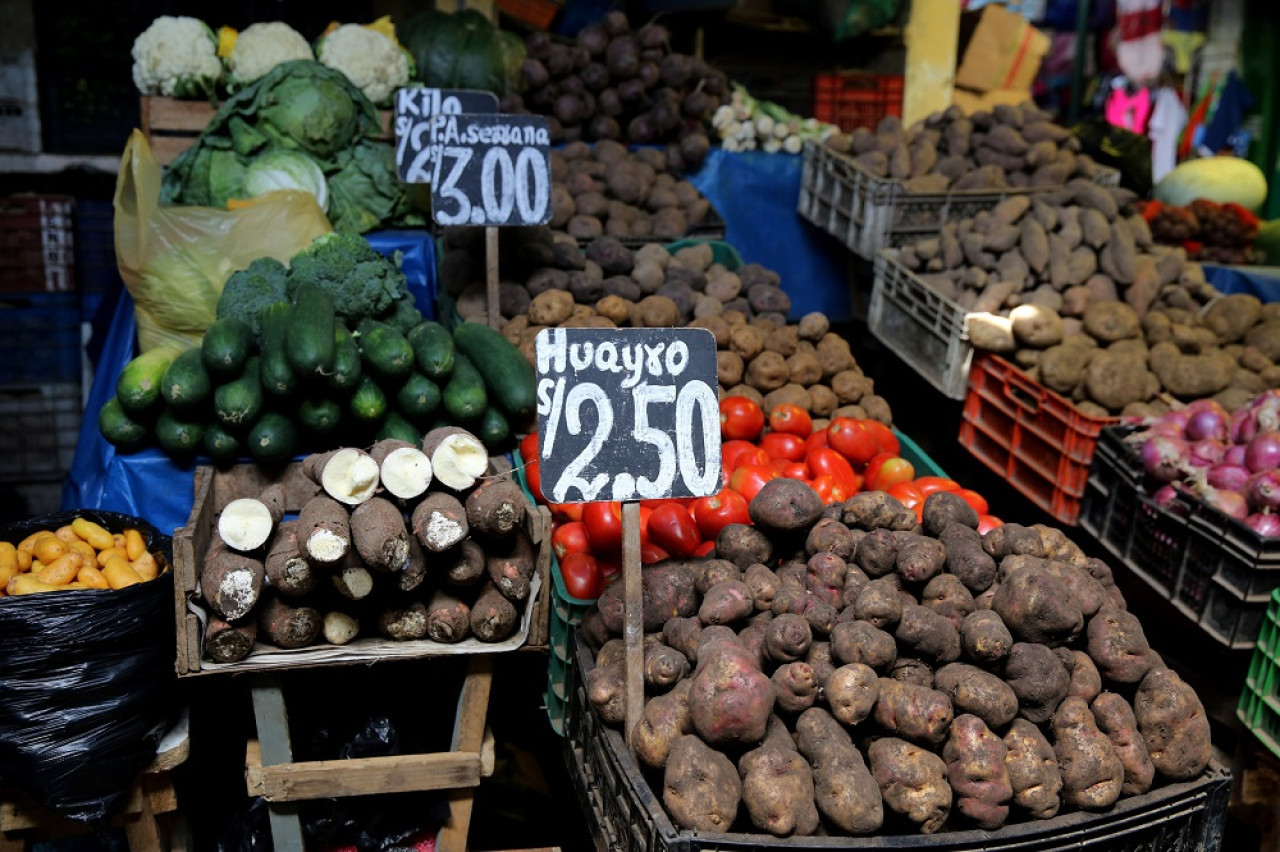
<point>979,692</point>
<point>923,633</point>
<point>966,558</point>
<point>912,711</point>
<point>1063,367</point>
<point>1173,725</point>
<point>1033,770</point>
<point>1092,774</point>
<point>990,332</point>
<point>985,638</point>
<point>701,789</point>
<point>1114,718</point>
<point>1035,325</point>
<point>655,312</point>
<point>1111,321</point>
<point>1118,646</point>
<point>942,508</point>
<point>975,759</point>
<point>1038,607</point>
<point>913,782</point>
<point>729,699</point>
<point>796,685</point>
<point>665,719</point>
<point>920,558</point>
<point>787,638</point>
<point>777,788</point>
<point>870,510</point>
<point>1115,380</point>
<point>1086,682</point>
<point>851,692</point>
<point>844,789</point>
<point>1039,679</point>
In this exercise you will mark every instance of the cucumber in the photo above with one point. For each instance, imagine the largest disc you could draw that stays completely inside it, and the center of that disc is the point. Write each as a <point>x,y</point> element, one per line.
<point>275,371</point>
<point>493,430</point>
<point>394,425</point>
<point>433,349</point>
<point>507,375</point>
<point>237,404</point>
<point>138,387</point>
<point>347,369</point>
<point>464,396</point>
<point>320,414</point>
<point>186,386</point>
<point>418,397</point>
<point>220,445</point>
<point>119,429</point>
<point>309,342</point>
<point>178,437</point>
<point>272,438</point>
<point>384,350</point>
<point>227,344</point>
<point>368,404</point>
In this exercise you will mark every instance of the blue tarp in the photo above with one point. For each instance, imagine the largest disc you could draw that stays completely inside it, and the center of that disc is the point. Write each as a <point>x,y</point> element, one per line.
<point>756,194</point>
<point>1263,282</point>
<point>149,484</point>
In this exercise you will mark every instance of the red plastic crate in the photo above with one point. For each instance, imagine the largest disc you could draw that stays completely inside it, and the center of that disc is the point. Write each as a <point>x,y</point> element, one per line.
<point>853,99</point>
<point>1036,439</point>
<point>535,13</point>
<point>36,244</point>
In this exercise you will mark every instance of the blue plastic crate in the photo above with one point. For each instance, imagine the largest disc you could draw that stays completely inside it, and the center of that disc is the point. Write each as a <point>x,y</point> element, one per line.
<point>41,343</point>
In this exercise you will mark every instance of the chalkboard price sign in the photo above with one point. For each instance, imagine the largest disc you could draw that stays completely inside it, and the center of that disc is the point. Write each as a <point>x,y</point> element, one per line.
<point>416,106</point>
<point>627,413</point>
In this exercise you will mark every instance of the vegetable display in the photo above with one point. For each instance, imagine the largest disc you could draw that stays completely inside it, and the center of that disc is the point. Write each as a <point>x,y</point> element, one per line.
<point>1208,231</point>
<point>79,555</point>
<point>930,676</point>
<point>463,50</point>
<point>746,123</point>
<point>176,56</point>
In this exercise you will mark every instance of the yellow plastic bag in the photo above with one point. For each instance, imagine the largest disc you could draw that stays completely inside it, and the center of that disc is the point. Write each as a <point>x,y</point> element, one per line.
<point>174,260</point>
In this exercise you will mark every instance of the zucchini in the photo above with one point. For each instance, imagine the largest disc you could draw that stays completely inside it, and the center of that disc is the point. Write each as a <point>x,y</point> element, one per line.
<point>119,429</point>
<point>433,349</point>
<point>237,404</point>
<point>418,397</point>
<point>275,371</point>
<point>320,414</point>
<point>507,375</point>
<point>221,446</point>
<point>185,385</point>
<point>464,396</point>
<point>493,429</point>
<point>272,438</point>
<point>347,369</point>
<point>368,404</point>
<point>385,352</point>
<point>309,342</point>
<point>227,345</point>
<point>178,437</point>
<point>138,386</point>
<point>394,425</point>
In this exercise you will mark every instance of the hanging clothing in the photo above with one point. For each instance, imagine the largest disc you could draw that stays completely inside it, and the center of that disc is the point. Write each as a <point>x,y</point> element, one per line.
<point>1129,110</point>
<point>1233,103</point>
<point>1187,22</point>
<point>1140,52</point>
<point>1168,117</point>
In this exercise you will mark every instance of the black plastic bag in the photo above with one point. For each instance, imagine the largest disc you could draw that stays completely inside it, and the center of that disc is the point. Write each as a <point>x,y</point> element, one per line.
<point>87,679</point>
<point>1119,148</point>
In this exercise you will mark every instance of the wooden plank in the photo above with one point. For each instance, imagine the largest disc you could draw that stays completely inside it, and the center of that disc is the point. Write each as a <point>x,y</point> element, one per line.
<point>540,624</point>
<point>632,623</point>
<point>366,776</point>
<point>161,113</point>
<point>491,277</point>
<point>931,37</point>
<point>468,736</point>
<point>166,149</point>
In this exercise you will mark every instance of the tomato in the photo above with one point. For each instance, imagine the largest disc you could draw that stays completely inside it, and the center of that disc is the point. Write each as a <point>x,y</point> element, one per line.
<point>566,511</point>
<point>796,470</point>
<point>609,568</point>
<point>645,513</point>
<point>779,466</point>
<point>604,527</point>
<point>570,538</point>
<point>789,418</point>
<point>749,479</point>
<point>714,513</point>
<point>740,418</point>
<point>930,484</point>
<point>884,437</point>
<point>906,493</point>
<point>731,450</point>
<point>672,529</point>
<point>529,447</point>
<point>852,439</point>
<point>974,499</point>
<point>782,445</point>
<point>884,470</point>
<point>830,489</point>
<point>650,553</point>
<point>533,475</point>
<point>826,461</point>
<point>582,576</point>
<point>815,441</point>
<point>705,548</point>
<point>986,523</point>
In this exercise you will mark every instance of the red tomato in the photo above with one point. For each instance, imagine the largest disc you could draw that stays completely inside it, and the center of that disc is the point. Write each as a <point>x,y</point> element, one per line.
<point>650,553</point>
<point>791,419</point>
<point>986,523</point>
<point>570,538</point>
<point>566,511</point>
<point>609,568</point>
<point>645,513</point>
<point>582,576</point>
<point>533,475</point>
<point>852,439</point>
<point>672,529</point>
<point>884,470</point>
<point>974,499</point>
<point>749,479</point>
<point>779,466</point>
<point>740,418</point>
<point>906,493</point>
<point>604,527</point>
<point>783,445</point>
<point>830,489</point>
<point>731,451</point>
<point>796,470</point>
<point>529,447</point>
<point>884,437</point>
<point>930,484</point>
<point>714,513</point>
<point>705,548</point>
<point>826,461</point>
<point>815,441</point>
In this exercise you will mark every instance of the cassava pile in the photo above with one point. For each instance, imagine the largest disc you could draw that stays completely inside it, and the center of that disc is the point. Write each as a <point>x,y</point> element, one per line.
<point>849,670</point>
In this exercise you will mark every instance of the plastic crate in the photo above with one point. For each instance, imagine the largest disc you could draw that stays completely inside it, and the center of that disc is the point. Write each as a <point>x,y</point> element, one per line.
<point>39,427</point>
<point>853,99</point>
<point>869,213</point>
<point>920,326</point>
<point>538,14</point>
<point>1259,707</point>
<point>96,270</point>
<point>624,813</point>
<point>1214,570</point>
<point>36,244</point>
<point>1038,441</point>
<point>41,343</point>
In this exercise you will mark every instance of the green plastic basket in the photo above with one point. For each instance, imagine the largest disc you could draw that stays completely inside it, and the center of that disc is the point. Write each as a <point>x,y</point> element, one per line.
<point>1259,707</point>
<point>920,460</point>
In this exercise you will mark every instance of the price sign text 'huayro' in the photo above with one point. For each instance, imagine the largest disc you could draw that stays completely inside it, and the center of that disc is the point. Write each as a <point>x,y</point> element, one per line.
<point>627,413</point>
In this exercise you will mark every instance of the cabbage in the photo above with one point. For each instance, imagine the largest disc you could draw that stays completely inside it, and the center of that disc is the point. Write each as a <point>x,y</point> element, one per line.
<point>281,169</point>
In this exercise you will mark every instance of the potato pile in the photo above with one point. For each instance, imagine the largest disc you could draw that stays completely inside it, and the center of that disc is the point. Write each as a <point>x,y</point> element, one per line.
<point>606,189</point>
<point>848,670</point>
<point>613,82</point>
<point>1010,146</point>
<point>401,542</point>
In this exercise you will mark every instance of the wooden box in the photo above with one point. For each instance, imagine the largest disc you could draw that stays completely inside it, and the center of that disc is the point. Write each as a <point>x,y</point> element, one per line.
<point>214,489</point>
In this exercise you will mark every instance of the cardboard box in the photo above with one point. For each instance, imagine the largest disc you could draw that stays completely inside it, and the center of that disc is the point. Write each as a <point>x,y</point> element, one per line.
<point>1004,52</point>
<point>971,101</point>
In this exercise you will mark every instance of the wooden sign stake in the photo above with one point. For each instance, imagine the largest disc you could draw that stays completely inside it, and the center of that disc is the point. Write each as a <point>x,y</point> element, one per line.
<point>491,277</point>
<point>633,619</point>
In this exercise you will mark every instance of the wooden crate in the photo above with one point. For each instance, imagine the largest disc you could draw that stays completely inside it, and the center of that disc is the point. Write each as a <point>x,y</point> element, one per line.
<point>214,489</point>
<point>171,125</point>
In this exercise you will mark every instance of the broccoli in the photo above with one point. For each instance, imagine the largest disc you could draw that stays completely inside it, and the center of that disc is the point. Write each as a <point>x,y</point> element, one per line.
<point>402,314</point>
<point>250,290</point>
<point>362,282</point>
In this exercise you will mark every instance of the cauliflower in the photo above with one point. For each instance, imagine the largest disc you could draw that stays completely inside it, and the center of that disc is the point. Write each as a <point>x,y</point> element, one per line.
<point>375,64</point>
<point>262,47</point>
<point>176,57</point>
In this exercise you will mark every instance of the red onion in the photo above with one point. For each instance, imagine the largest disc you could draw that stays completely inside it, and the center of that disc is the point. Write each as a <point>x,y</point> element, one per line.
<point>1231,503</point>
<point>1164,457</point>
<point>1165,495</point>
<point>1267,409</point>
<point>1244,425</point>
<point>1263,490</point>
<point>1208,419</point>
<point>1229,477</point>
<point>1263,452</point>
<point>1264,524</point>
<point>1234,455</point>
<point>1206,452</point>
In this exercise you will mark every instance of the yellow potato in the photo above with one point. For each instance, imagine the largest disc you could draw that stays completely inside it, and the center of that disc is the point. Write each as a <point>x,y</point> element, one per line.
<point>104,555</point>
<point>84,548</point>
<point>49,548</point>
<point>134,544</point>
<point>62,570</point>
<point>67,534</point>
<point>92,577</point>
<point>119,572</point>
<point>28,584</point>
<point>146,566</point>
<point>8,562</point>
<point>93,533</point>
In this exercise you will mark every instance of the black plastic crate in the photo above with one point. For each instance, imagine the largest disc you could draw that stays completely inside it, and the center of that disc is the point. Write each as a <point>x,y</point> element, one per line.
<point>39,428</point>
<point>625,814</point>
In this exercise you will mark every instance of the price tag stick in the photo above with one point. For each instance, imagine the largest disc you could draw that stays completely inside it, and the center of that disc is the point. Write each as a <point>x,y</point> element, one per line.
<point>633,619</point>
<point>491,276</point>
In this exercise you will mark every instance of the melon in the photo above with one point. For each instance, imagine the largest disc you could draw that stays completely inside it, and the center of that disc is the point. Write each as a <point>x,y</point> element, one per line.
<point>1220,179</point>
